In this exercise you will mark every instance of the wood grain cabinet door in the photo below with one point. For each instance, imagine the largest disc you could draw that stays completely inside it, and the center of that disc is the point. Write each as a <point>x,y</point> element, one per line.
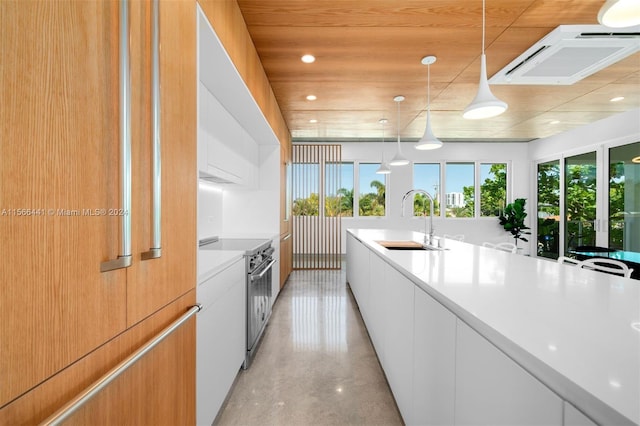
<point>154,283</point>
<point>60,186</point>
<point>59,147</point>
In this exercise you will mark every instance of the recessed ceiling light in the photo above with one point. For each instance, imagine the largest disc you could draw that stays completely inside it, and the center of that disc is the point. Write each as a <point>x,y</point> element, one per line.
<point>554,122</point>
<point>313,120</point>
<point>636,325</point>
<point>311,97</point>
<point>616,99</point>
<point>636,160</point>
<point>308,59</point>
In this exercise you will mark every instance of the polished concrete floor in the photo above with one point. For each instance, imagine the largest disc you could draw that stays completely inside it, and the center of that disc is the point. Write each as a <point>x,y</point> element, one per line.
<point>315,366</point>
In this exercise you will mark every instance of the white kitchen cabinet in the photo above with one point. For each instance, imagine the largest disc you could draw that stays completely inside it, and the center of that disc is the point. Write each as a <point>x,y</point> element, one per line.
<point>220,338</point>
<point>491,389</point>
<point>434,355</point>
<point>358,273</point>
<point>398,345</point>
<point>378,295</point>
<point>573,417</point>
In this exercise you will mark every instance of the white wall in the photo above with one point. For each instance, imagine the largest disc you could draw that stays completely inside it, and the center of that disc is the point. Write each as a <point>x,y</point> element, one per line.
<point>623,127</point>
<point>400,181</point>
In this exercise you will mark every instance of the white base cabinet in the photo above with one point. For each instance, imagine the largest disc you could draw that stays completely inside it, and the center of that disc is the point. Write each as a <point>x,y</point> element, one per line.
<point>358,273</point>
<point>220,338</point>
<point>491,389</point>
<point>573,417</point>
<point>441,371</point>
<point>379,290</point>
<point>434,356</point>
<point>398,340</point>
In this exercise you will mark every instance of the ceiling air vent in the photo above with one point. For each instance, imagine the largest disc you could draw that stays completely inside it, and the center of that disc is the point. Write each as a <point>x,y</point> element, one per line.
<point>568,54</point>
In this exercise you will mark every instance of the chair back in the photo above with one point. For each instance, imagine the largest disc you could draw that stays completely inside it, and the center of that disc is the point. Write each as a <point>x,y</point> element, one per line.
<point>508,247</point>
<point>610,266</point>
<point>569,261</point>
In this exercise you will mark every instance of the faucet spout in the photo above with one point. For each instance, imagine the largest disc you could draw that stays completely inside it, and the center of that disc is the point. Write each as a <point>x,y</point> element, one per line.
<point>428,237</point>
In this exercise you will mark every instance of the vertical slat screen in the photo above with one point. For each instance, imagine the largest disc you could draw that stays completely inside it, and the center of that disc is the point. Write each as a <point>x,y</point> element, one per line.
<point>316,206</point>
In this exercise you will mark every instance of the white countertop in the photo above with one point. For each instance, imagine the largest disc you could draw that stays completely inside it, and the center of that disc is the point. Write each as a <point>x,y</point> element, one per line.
<point>210,262</point>
<point>578,331</point>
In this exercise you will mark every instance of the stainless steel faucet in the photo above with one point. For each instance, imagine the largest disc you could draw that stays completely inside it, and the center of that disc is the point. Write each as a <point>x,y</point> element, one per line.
<point>427,237</point>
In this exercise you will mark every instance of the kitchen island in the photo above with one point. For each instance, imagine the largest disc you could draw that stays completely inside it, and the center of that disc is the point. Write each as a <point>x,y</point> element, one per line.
<point>472,335</point>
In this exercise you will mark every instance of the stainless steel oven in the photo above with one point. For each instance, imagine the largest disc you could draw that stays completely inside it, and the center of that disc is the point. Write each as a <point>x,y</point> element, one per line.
<point>259,262</point>
<point>258,299</point>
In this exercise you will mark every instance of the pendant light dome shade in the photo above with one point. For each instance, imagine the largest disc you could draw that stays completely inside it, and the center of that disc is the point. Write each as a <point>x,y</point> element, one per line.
<point>428,140</point>
<point>620,13</point>
<point>485,104</point>
<point>383,169</point>
<point>399,159</point>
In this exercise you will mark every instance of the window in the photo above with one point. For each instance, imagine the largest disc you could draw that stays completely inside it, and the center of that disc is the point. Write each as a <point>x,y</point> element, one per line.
<point>339,189</point>
<point>372,191</point>
<point>306,200</point>
<point>624,197</point>
<point>427,177</point>
<point>549,209</point>
<point>493,188</point>
<point>580,200</point>
<point>460,189</point>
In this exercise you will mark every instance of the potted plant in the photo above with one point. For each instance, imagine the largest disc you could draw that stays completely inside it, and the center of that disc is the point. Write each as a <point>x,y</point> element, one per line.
<point>512,220</point>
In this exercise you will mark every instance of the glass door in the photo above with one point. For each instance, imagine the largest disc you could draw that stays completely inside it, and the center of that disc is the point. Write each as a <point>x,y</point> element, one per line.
<point>549,209</point>
<point>580,190</point>
<point>624,197</point>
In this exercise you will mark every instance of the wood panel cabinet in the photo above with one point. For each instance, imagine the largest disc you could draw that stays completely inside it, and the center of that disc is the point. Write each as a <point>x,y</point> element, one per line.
<point>157,390</point>
<point>286,258</point>
<point>286,240</point>
<point>60,185</point>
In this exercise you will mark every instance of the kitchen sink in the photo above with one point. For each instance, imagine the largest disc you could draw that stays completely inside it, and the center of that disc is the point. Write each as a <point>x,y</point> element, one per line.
<point>404,245</point>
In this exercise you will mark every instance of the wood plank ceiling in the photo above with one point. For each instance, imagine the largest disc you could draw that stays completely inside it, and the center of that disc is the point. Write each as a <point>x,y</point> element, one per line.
<point>369,51</point>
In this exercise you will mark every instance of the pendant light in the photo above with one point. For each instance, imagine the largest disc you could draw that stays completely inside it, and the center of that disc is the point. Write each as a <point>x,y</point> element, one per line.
<point>620,13</point>
<point>429,141</point>
<point>399,159</point>
<point>485,104</point>
<point>384,167</point>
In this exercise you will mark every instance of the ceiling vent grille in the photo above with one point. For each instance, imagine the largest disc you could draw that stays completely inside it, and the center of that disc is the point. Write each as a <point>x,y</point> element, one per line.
<point>568,54</point>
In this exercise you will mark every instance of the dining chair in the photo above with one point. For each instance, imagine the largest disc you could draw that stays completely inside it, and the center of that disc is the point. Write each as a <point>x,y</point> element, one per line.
<point>569,261</point>
<point>508,247</point>
<point>610,266</point>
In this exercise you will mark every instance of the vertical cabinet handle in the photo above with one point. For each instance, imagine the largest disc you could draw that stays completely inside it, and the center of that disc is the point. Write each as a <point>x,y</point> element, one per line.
<point>156,249</point>
<point>124,260</point>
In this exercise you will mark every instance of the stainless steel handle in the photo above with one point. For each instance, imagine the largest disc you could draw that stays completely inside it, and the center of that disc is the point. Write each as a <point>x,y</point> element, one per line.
<point>124,260</point>
<point>264,271</point>
<point>156,249</point>
<point>287,237</point>
<point>72,406</point>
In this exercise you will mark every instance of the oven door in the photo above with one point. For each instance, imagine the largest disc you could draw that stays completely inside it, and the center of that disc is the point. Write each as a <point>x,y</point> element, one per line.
<point>258,305</point>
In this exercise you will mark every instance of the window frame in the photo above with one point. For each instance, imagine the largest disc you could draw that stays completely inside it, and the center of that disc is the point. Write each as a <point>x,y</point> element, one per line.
<point>477,183</point>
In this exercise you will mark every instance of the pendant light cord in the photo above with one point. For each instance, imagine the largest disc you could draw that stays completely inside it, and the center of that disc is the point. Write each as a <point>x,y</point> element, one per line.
<point>483,25</point>
<point>398,121</point>
<point>428,87</point>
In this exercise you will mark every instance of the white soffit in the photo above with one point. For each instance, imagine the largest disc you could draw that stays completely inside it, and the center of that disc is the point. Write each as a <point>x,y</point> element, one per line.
<point>570,53</point>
